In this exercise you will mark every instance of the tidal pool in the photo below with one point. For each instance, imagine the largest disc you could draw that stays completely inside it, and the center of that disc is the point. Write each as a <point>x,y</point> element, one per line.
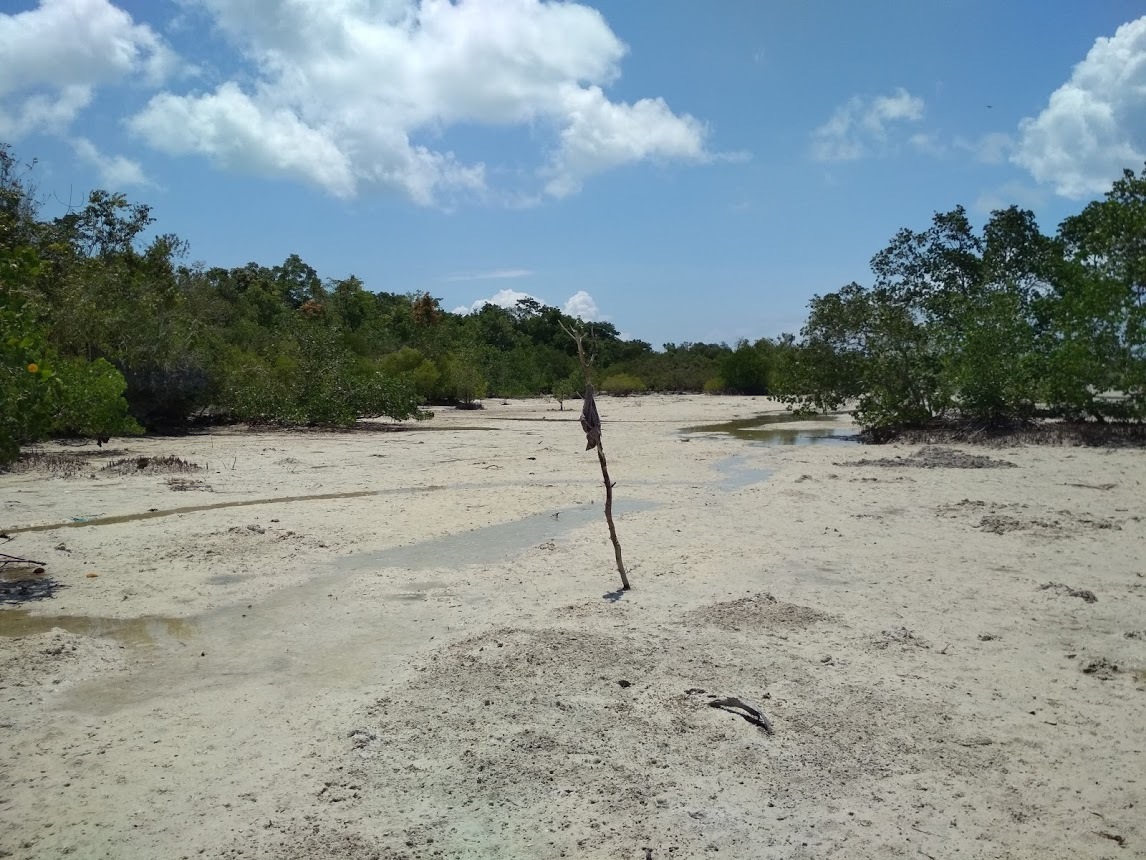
<point>769,430</point>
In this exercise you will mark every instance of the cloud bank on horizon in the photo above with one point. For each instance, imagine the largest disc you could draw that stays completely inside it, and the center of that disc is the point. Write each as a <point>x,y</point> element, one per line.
<point>580,305</point>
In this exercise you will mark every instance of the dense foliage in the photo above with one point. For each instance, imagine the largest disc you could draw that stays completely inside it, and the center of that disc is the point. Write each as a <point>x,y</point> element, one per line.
<point>104,329</point>
<point>125,335</point>
<point>42,393</point>
<point>991,327</point>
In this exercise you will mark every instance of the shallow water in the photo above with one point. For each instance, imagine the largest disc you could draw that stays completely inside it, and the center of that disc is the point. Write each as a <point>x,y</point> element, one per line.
<point>480,546</point>
<point>147,630</point>
<point>768,430</point>
<point>488,544</point>
<point>738,474</point>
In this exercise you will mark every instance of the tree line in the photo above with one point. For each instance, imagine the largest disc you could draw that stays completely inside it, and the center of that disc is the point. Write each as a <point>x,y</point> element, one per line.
<point>990,328</point>
<point>105,330</point>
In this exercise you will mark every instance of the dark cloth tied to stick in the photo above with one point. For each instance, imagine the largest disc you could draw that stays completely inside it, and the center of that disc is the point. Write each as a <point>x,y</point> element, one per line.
<point>590,420</point>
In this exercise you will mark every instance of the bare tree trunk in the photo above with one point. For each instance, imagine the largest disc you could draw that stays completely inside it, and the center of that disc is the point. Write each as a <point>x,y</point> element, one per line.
<point>591,424</point>
<point>609,517</point>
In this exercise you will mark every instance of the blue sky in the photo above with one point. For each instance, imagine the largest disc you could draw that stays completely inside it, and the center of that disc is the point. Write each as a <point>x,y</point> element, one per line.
<point>689,171</point>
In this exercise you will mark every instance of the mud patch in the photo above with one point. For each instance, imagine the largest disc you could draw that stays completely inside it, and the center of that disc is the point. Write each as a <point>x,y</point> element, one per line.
<point>1102,669</point>
<point>166,465</point>
<point>935,457</point>
<point>758,613</point>
<point>1060,588</point>
<point>1001,518</point>
<point>183,485</point>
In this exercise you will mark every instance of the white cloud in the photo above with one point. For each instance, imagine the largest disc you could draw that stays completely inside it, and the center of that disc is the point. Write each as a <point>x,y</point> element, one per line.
<point>343,88</point>
<point>56,55</point>
<point>928,143</point>
<point>237,132</point>
<point>582,306</point>
<point>602,134</point>
<point>1010,194</point>
<point>507,299</point>
<point>860,127</point>
<point>1094,125</point>
<point>494,275</point>
<point>116,172</point>
<point>991,148</point>
<point>42,112</point>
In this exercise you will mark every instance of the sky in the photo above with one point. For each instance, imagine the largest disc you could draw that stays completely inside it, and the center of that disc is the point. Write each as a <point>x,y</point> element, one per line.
<point>687,171</point>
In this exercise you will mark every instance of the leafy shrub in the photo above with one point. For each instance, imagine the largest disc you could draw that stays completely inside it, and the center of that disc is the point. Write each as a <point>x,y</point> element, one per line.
<point>41,396</point>
<point>562,391</point>
<point>91,401</point>
<point>622,385</point>
<point>745,369</point>
<point>716,385</point>
<point>461,381</point>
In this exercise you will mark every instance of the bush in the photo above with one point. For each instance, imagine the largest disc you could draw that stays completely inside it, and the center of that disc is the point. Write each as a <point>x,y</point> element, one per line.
<point>622,385</point>
<point>746,369</point>
<point>41,396</point>
<point>716,385</point>
<point>461,381</point>
<point>562,391</point>
<point>91,401</point>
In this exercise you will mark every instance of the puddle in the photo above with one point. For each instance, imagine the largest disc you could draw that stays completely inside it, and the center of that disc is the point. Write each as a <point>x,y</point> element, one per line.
<point>147,630</point>
<point>738,474</point>
<point>768,430</point>
<point>488,544</point>
<point>245,629</point>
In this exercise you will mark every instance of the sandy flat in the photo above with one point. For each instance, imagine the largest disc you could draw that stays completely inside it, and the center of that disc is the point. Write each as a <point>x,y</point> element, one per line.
<point>411,645</point>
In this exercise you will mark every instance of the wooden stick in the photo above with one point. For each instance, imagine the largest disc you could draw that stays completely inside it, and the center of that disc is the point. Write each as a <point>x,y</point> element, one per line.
<point>609,517</point>
<point>591,424</point>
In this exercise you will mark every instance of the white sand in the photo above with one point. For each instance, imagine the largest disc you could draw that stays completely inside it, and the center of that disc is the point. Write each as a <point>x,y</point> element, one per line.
<point>268,681</point>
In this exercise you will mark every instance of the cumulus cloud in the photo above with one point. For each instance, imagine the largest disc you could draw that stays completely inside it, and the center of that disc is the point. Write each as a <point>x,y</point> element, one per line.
<point>56,55</point>
<point>240,133</point>
<point>346,94</point>
<point>1094,125</point>
<point>507,299</point>
<point>602,134</point>
<point>115,171</point>
<point>580,304</point>
<point>861,127</point>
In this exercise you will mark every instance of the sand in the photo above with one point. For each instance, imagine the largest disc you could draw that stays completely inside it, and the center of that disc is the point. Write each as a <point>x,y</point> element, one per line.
<point>411,645</point>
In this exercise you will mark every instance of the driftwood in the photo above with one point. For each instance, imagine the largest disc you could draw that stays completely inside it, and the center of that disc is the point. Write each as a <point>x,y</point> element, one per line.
<point>745,709</point>
<point>16,560</point>
<point>591,424</point>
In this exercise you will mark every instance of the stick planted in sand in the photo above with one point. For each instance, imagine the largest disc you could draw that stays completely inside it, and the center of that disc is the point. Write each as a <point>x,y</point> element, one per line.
<point>591,424</point>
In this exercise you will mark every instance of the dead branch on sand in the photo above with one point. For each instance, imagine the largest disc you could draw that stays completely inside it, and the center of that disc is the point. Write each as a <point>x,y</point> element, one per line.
<point>591,424</point>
